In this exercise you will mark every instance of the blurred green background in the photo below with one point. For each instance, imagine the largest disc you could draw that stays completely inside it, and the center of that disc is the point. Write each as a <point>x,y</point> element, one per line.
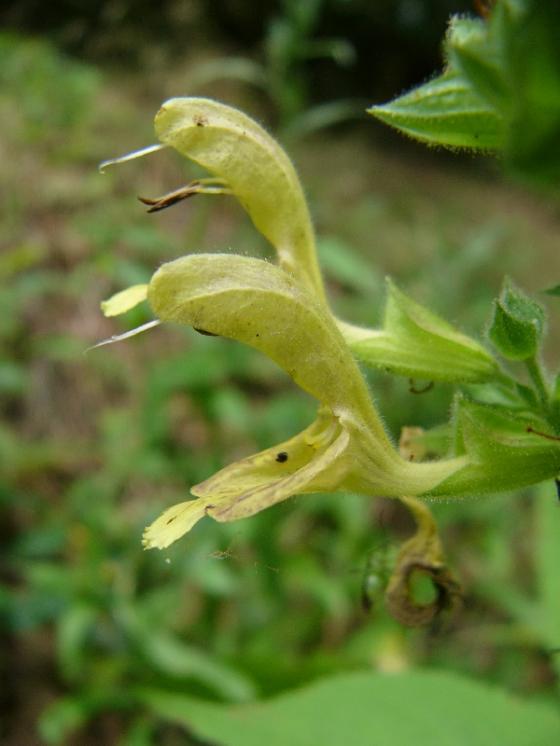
<point>94,445</point>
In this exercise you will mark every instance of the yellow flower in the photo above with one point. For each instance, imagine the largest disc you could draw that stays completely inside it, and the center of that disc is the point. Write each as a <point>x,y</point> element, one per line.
<point>346,448</point>
<point>280,309</point>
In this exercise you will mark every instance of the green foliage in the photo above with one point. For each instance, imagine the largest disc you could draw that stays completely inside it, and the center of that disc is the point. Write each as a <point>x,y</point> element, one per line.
<point>445,111</point>
<point>500,90</point>
<point>370,707</point>
<point>53,93</point>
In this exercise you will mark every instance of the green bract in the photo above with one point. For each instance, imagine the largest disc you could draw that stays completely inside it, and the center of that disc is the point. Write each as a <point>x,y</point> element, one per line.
<point>517,325</point>
<point>417,343</point>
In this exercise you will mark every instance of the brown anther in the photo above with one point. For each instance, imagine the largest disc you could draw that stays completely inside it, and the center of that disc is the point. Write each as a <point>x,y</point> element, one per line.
<point>171,198</point>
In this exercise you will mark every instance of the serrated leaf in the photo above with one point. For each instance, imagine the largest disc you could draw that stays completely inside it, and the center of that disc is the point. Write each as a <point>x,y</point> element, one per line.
<point>445,111</point>
<point>366,709</point>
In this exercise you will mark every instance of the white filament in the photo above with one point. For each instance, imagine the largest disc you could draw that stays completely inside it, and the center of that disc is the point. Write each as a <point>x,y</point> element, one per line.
<point>131,156</point>
<point>126,335</point>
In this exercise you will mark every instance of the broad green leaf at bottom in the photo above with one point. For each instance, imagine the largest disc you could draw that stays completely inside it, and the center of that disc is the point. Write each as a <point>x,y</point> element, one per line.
<point>370,709</point>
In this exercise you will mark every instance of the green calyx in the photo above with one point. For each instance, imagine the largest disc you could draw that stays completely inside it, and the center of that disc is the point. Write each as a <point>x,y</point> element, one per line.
<point>517,326</point>
<point>416,343</point>
<point>505,451</point>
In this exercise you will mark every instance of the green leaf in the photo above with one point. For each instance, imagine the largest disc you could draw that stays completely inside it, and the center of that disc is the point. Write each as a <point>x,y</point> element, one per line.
<point>366,709</point>
<point>517,326</point>
<point>346,266</point>
<point>554,290</point>
<point>445,111</point>
<point>177,659</point>
<point>62,718</point>
<point>532,38</point>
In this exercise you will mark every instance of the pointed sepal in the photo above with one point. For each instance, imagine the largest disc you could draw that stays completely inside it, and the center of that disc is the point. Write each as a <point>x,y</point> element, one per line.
<point>417,343</point>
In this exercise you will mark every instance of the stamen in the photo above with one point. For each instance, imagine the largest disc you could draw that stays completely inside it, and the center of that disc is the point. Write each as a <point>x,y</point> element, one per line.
<point>131,156</point>
<point>171,198</point>
<point>126,335</point>
<point>201,186</point>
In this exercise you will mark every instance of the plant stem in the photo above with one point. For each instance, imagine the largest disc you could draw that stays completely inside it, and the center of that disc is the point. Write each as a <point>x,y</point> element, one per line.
<point>539,381</point>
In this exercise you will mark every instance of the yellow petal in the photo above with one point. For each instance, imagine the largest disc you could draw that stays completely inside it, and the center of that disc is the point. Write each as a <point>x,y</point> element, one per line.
<point>326,471</point>
<point>124,300</point>
<point>172,524</point>
<point>316,459</point>
<point>263,306</point>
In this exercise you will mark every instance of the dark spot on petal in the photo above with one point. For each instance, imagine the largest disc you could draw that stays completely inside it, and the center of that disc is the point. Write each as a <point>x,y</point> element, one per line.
<point>170,521</point>
<point>282,457</point>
